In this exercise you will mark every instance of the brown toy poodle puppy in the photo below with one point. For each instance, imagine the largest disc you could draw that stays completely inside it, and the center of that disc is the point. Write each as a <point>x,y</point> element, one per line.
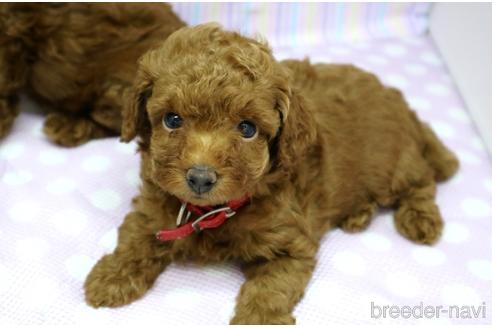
<point>79,59</point>
<point>292,149</point>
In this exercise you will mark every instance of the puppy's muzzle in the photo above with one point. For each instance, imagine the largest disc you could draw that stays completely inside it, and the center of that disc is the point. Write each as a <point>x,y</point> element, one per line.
<point>201,179</point>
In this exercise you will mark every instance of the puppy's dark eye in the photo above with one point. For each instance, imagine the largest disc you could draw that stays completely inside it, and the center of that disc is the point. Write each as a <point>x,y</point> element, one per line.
<point>172,120</point>
<point>247,129</point>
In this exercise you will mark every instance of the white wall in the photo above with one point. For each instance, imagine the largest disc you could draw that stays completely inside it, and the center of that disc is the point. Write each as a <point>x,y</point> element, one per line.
<point>463,34</point>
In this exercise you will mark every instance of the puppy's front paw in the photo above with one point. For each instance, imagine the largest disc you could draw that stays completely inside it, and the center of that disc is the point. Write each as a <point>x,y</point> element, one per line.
<point>114,282</point>
<point>245,318</point>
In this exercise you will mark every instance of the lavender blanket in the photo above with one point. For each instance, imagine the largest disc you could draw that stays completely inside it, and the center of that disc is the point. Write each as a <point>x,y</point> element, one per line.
<point>60,208</point>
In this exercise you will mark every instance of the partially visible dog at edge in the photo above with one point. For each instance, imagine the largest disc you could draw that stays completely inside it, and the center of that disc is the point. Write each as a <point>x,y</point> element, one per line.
<point>312,147</point>
<point>78,60</point>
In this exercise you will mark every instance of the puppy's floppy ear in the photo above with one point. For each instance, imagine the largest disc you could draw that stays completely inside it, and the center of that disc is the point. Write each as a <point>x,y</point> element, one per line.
<point>135,118</point>
<point>297,130</point>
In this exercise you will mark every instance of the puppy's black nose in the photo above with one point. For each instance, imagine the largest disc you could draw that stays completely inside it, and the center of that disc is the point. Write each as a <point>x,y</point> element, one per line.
<point>201,178</point>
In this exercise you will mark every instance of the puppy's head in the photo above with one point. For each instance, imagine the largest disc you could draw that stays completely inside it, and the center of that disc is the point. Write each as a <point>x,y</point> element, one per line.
<point>216,115</point>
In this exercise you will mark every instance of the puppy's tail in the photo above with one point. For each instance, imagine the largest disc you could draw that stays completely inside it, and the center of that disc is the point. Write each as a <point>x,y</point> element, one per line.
<point>440,158</point>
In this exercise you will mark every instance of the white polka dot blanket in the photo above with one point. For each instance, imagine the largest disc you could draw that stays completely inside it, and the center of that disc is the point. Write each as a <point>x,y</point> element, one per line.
<point>60,209</point>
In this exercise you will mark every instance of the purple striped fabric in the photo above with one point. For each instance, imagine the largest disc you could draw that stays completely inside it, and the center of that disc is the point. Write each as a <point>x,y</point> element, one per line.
<point>285,24</point>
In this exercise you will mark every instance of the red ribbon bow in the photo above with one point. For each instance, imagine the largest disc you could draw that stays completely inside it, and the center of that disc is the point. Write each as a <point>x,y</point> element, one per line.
<point>209,217</point>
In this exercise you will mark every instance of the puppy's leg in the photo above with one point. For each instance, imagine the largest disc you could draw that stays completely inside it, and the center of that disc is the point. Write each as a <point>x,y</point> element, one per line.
<point>12,78</point>
<point>107,110</point>
<point>8,113</point>
<point>126,274</point>
<point>103,120</point>
<point>70,131</point>
<point>272,289</point>
<point>361,220</point>
<point>417,216</point>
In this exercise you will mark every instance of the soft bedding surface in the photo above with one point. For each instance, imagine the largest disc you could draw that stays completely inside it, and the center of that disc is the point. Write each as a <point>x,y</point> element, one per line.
<point>60,208</point>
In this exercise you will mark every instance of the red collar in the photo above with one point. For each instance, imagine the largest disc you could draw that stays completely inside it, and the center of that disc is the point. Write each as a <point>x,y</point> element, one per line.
<point>209,217</point>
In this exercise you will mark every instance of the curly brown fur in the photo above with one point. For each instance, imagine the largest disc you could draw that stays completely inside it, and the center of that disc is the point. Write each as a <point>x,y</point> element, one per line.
<point>79,58</point>
<point>333,142</point>
<point>359,221</point>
